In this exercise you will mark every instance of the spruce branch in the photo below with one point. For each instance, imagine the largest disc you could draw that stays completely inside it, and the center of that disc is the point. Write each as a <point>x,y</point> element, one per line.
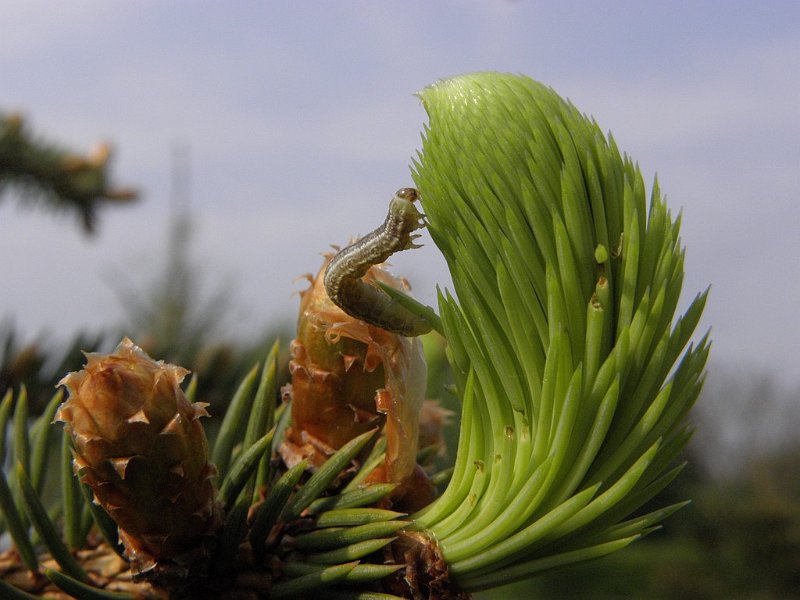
<point>65,179</point>
<point>573,371</point>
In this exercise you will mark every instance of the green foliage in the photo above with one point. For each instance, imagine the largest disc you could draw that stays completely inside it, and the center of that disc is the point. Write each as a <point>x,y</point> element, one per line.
<point>40,364</point>
<point>65,179</point>
<point>572,406</point>
<point>339,531</point>
<point>739,539</point>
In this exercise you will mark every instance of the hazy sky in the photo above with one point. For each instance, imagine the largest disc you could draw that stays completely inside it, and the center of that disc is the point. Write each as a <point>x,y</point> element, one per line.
<point>300,121</point>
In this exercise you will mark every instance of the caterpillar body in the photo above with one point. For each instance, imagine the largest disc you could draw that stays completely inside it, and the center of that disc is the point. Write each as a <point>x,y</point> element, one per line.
<point>359,299</point>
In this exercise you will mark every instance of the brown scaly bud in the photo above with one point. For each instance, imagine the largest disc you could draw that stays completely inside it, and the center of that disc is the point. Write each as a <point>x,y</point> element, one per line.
<point>137,442</point>
<point>348,377</point>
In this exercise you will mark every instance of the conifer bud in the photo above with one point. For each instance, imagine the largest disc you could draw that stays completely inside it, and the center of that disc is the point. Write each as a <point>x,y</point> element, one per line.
<point>349,376</point>
<point>138,444</point>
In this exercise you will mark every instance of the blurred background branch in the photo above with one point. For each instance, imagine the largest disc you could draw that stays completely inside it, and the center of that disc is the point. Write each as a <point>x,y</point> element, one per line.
<point>173,315</point>
<point>62,179</point>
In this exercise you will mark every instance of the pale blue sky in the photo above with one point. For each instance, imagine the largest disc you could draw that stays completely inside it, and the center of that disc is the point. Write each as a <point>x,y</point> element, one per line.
<point>301,123</point>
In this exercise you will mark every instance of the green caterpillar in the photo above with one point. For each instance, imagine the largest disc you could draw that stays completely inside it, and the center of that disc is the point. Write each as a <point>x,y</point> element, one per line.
<point>359,299</point>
